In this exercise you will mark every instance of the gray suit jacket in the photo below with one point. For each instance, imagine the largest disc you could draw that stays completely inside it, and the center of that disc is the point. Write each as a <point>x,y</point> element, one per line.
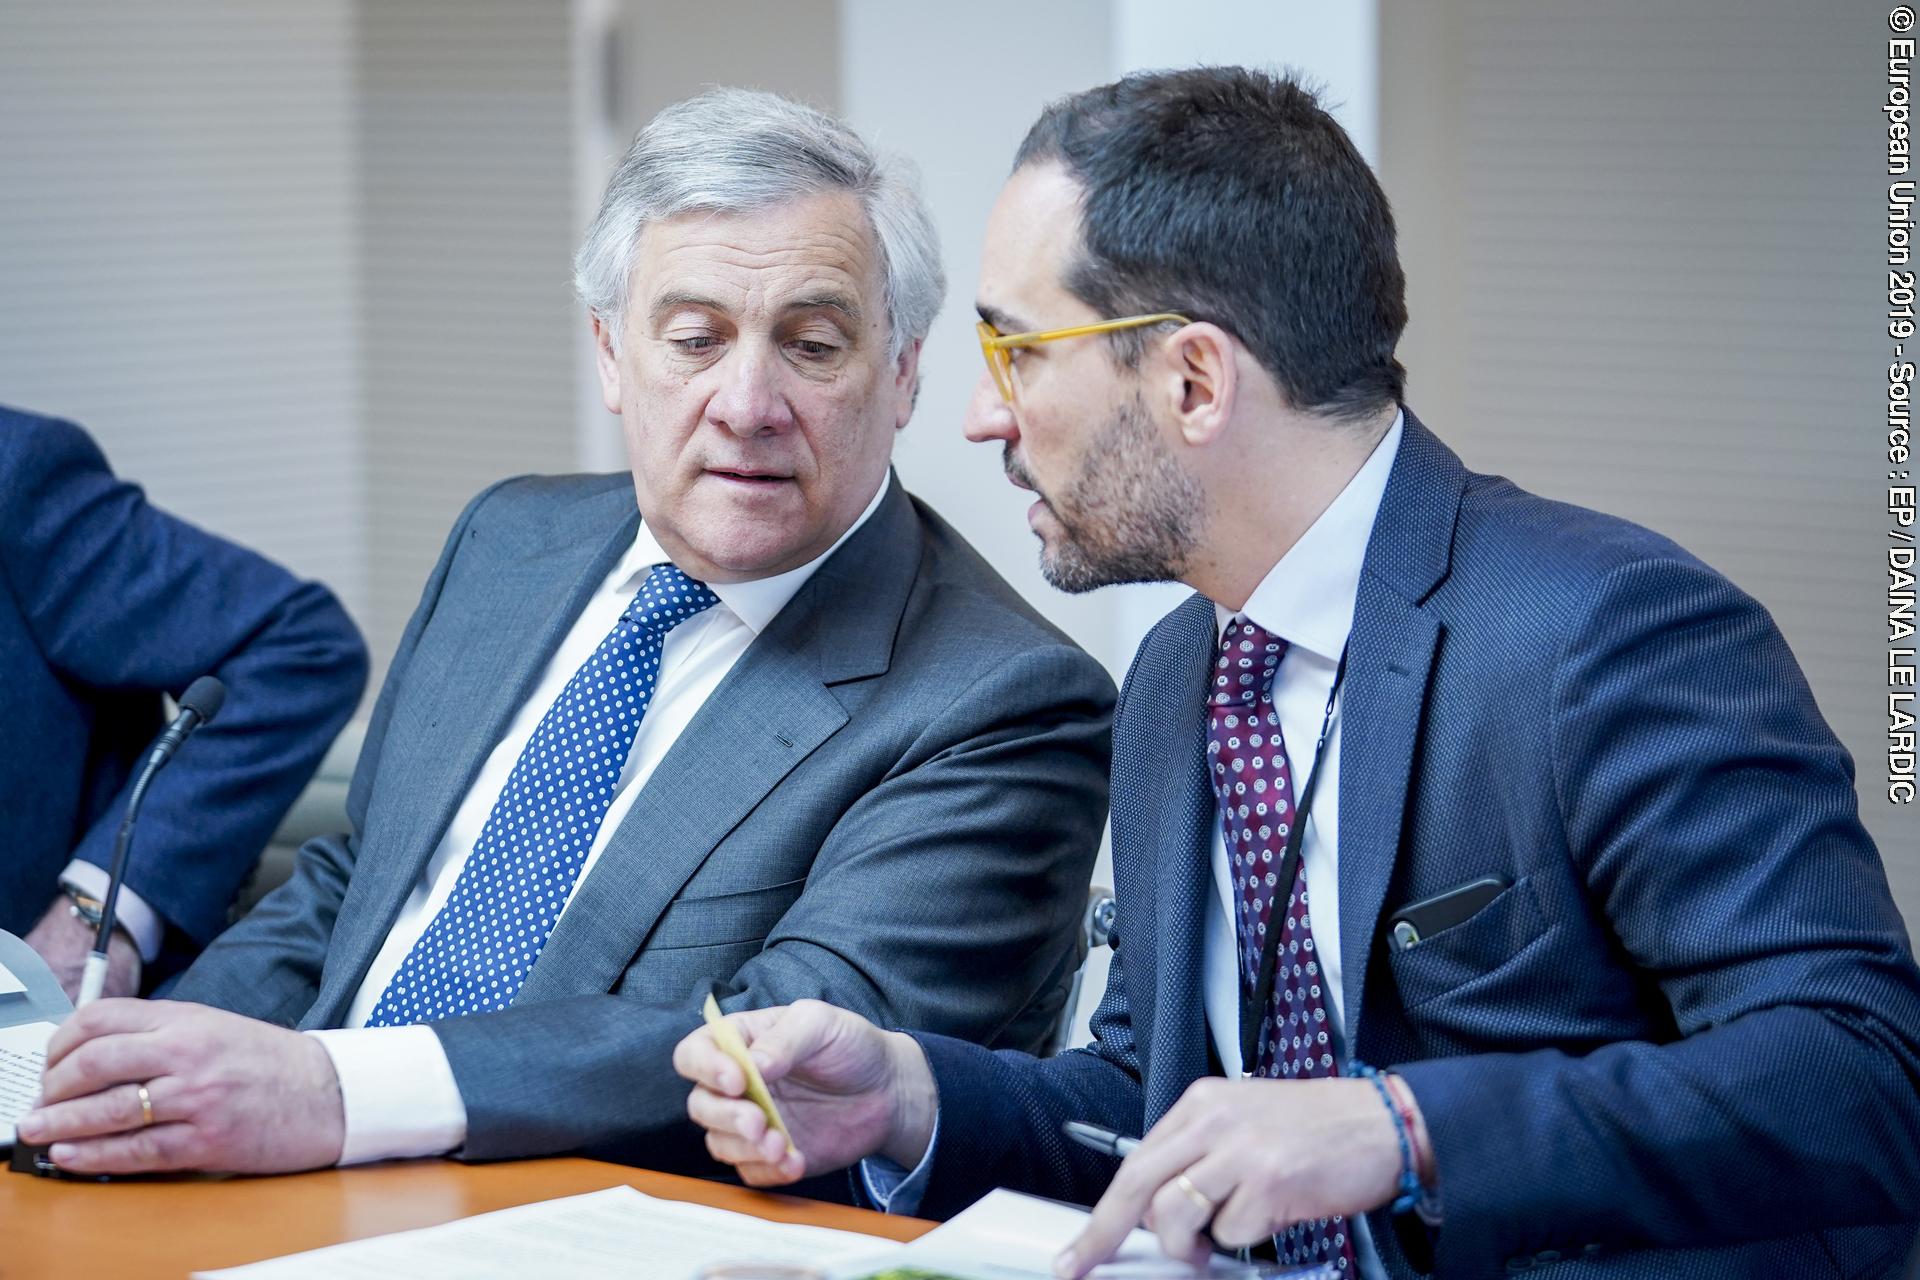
<point>892,803</point>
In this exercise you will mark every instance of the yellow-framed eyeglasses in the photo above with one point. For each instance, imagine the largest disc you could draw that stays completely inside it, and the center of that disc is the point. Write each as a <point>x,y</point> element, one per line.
<point>996,346</point>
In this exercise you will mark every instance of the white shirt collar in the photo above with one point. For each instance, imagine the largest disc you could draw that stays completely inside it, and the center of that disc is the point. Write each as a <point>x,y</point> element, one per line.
<point>755,603</point>
<point>1307,598</point>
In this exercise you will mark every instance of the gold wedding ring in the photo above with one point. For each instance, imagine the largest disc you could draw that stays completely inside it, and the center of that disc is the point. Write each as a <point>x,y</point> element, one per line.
<point>146,1106</point>
<point>1195,1194</point>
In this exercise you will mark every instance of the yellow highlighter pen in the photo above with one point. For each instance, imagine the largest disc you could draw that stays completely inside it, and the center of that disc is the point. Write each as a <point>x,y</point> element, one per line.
<point>734,1047</point>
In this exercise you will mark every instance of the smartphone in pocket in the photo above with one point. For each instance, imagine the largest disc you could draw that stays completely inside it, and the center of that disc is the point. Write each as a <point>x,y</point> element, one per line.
<point>1411,924</point>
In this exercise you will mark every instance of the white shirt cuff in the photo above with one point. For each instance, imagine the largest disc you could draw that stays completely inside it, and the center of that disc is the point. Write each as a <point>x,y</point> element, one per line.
<point>398,1093</point>
<point>891,1188</point>
<point>142,923</point>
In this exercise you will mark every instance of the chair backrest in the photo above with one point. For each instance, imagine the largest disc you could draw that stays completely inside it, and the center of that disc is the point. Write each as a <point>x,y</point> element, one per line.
<point>1096,931</point>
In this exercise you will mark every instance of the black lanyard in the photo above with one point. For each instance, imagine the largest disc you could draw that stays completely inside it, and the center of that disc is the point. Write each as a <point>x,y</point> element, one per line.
<point>1253,1009</point>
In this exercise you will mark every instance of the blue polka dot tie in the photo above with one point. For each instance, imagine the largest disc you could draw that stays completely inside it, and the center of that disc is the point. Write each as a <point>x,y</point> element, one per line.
<point>1254,784</point>
<point>480,948</point>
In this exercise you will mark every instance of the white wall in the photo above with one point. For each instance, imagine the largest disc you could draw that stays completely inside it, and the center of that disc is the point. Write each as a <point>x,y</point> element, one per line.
<point>468,323</point>
<point>178,243</point>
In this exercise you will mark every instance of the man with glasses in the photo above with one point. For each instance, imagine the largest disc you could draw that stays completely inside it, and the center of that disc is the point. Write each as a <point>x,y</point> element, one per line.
<point>1490,892</point>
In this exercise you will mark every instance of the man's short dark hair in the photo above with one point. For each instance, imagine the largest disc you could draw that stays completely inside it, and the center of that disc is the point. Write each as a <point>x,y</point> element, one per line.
<point>1229,195</point>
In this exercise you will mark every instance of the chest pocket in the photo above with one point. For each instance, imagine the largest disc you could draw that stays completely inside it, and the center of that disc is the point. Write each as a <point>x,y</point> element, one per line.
<point>747,915</point>
<point>1486,950</point>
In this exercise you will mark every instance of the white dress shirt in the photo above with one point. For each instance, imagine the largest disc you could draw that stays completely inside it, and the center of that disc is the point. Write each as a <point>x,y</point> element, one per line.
<point>1306,599</point>
<point>396,1085</point>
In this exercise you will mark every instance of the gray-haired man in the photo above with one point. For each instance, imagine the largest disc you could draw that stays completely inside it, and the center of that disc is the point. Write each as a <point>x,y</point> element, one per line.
<point>774,728</point>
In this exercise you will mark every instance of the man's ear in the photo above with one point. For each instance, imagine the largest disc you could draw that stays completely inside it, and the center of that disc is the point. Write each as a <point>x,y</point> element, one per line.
<point>906,382</point>
<point>606,363</point>
<point>1196,372</point>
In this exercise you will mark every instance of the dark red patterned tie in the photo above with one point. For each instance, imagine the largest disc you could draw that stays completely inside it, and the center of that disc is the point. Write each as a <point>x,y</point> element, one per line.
<point>1254,785</point>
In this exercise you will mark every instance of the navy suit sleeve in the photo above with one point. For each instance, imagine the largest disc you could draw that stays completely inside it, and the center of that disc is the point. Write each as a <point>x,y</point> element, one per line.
<point>268,966</point>
<point>1712,818</point>
<point>1001,1112</point>
<point>122,597</point>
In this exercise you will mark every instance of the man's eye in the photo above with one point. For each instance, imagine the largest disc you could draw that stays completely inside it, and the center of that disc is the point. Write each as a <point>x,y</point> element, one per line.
<point>695,345</point>
<point>812,350</point>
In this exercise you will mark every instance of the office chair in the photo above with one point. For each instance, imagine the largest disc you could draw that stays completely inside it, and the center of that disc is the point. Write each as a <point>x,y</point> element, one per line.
<point>1096,930</point>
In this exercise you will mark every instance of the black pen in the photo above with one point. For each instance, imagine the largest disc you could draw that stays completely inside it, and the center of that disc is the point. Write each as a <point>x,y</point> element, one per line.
<point>1105,1141</point>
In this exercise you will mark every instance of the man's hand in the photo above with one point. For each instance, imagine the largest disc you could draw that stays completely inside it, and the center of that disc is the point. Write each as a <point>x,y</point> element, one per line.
<point>63,941</point>
<point>228,1093</point>
<point>845,1088</point>
<point>1258,1155</point>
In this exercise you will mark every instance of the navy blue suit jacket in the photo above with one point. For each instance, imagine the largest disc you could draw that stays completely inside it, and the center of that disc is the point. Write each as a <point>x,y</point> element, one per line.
<point>1686,1041</point>
<point>105,603</point>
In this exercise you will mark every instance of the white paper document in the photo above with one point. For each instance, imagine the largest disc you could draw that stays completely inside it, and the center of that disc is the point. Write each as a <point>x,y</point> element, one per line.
<point>1009,1236</point>
<point>23,1052</point>
<point>10,982</point>
<point>622,1232</point>
<point>616,1232</point>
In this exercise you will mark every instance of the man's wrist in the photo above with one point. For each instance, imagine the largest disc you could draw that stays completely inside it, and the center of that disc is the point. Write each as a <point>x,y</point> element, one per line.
<point>84,911</point>
<point>916,1102</point>
<point>329,1103</point>
<point>83,906</point>
<point>1416,1123</point>
<point>134,916</point>
<point>70,918</point>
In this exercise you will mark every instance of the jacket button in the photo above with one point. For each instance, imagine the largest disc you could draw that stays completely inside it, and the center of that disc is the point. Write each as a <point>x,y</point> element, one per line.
<point>1519,1264</point>
<point>1547,1256</point>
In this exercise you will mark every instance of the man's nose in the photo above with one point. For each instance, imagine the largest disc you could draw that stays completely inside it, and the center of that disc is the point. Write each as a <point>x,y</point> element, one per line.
<point>989,416</point>
<point>750,399</point>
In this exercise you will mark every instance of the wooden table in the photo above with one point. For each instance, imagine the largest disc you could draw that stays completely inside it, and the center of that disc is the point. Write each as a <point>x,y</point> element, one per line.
<point>170,1228</point>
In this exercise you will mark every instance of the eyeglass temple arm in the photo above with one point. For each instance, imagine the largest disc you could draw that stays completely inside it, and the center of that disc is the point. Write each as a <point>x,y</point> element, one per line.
<point>1003,340</point>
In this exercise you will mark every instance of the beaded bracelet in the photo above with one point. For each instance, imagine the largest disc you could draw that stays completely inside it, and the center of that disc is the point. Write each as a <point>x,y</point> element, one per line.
<point>1410,1188</point>
<point>1403,1100</point>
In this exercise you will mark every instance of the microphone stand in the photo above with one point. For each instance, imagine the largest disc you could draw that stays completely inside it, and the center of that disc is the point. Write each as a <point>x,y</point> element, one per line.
<point>93,979</point>
<point>198,705</point>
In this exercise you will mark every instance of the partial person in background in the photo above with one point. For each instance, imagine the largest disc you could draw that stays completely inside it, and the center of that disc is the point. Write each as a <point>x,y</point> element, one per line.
<point>747,718</point>
<point>109,603</point>
<point>1592,912</point>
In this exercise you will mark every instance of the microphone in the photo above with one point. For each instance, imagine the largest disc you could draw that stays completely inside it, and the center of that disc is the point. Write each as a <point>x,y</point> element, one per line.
<point>198,705</point>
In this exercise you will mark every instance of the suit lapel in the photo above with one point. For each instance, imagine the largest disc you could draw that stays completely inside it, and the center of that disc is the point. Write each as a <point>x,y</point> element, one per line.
<point>1393,644</point>
<point>488,647</point>
<point>768,715</point>
<point>1391,653</point>
<point>1183,853</point>
<point>772,711</point>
